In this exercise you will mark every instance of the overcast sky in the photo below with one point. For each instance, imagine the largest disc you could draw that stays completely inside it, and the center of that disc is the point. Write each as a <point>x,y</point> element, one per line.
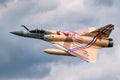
<point>23,58</point>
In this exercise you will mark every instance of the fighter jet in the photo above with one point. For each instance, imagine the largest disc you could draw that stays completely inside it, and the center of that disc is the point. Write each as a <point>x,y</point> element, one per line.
<point>83,44</point>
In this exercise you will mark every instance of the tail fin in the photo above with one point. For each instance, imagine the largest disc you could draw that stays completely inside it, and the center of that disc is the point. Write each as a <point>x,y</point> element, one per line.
<point>102,32</point>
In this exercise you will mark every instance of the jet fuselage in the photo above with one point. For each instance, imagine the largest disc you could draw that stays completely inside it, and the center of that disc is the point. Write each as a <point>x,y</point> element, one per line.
<point>77,43</point>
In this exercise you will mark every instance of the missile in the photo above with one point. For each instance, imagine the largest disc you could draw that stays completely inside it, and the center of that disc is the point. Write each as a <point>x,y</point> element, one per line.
<point>57,52</point>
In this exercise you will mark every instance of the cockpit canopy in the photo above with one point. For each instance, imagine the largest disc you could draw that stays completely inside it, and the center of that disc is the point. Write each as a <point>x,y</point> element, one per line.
<point>37,31</point>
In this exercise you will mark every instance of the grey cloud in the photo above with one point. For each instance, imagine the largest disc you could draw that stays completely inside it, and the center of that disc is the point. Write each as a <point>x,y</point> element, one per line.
<point>104,2</point>
<point>21,58</point>
<point>3,3</point>
<point>62,16</point>
<point>46,5</point>
<point>16,58</point>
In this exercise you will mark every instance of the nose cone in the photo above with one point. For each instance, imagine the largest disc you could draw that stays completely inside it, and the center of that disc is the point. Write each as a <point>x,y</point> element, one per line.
<point>19,33</point>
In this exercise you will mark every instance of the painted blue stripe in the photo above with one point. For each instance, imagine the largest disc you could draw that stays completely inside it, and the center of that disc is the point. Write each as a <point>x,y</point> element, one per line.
<point>91,41</point>
<point>89,44</point>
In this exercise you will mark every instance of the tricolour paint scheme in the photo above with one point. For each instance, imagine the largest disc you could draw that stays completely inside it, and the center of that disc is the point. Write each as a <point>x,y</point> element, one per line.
<point>82,43</point>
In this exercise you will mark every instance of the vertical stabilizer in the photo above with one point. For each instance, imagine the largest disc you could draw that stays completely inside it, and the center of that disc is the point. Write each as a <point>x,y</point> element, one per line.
<point>103,32</point>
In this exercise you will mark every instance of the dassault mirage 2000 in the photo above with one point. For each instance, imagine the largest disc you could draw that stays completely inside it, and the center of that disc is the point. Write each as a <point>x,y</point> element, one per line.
<point>82,43</point>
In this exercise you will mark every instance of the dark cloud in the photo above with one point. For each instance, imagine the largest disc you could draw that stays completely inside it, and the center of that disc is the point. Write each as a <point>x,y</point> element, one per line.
<point>104,2</point>
<point>20,58</point>
<point>3,1</point>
